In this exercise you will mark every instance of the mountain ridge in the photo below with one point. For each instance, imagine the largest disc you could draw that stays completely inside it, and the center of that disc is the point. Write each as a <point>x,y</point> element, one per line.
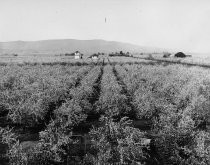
<point>71,45</point>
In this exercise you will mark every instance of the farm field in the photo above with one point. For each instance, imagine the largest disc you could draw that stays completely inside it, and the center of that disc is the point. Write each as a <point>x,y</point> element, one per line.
<point>196,59</point>
<point>111,111</point>
<point>49,58</point>
<point>37,58</point>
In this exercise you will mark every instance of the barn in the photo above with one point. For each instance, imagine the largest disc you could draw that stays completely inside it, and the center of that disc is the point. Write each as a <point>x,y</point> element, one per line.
<point>180,55</point>
<point>94,56</point>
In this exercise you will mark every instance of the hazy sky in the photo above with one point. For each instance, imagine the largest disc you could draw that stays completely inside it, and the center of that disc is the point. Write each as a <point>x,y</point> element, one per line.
<point>176,24</point>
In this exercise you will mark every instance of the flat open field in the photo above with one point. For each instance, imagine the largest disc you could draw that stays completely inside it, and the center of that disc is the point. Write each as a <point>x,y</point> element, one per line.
<point>109,111</point>
<point>196,59</point>
<point>36,58</point>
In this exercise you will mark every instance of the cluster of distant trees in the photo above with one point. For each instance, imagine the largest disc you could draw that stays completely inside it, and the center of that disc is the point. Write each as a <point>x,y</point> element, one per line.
<point>69,54</point>
<point>97,54</point>
<point>121,53</point>
<point>179,55</point>
<point>8,54</point>
<point>72,54</point>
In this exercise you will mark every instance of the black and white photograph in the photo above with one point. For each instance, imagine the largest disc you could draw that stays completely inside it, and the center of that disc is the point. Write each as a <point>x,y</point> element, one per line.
<point>104,82</point>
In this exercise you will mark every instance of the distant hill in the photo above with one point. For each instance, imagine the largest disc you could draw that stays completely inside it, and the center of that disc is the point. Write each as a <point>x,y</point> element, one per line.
<point>70,45</point>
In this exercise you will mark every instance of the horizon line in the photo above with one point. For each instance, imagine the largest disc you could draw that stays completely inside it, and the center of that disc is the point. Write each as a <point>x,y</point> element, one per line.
<point>53,39</point>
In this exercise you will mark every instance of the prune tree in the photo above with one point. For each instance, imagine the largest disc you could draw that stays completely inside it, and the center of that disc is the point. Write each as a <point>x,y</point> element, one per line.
<point>51,149</point>
<point>118,142</point>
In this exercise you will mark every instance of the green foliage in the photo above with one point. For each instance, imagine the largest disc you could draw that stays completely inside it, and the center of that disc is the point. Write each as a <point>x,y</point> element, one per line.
<point>33,90</point>
<point>175,98</point>
<point>75,110</point>
<point>117,142</point>
<point>177,101</point>
<point>50,149</point>
<point>112,101</point>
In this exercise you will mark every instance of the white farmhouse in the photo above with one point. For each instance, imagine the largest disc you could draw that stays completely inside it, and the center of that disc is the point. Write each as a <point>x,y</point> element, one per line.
<point>94,57</point>
<point>77,55</point>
